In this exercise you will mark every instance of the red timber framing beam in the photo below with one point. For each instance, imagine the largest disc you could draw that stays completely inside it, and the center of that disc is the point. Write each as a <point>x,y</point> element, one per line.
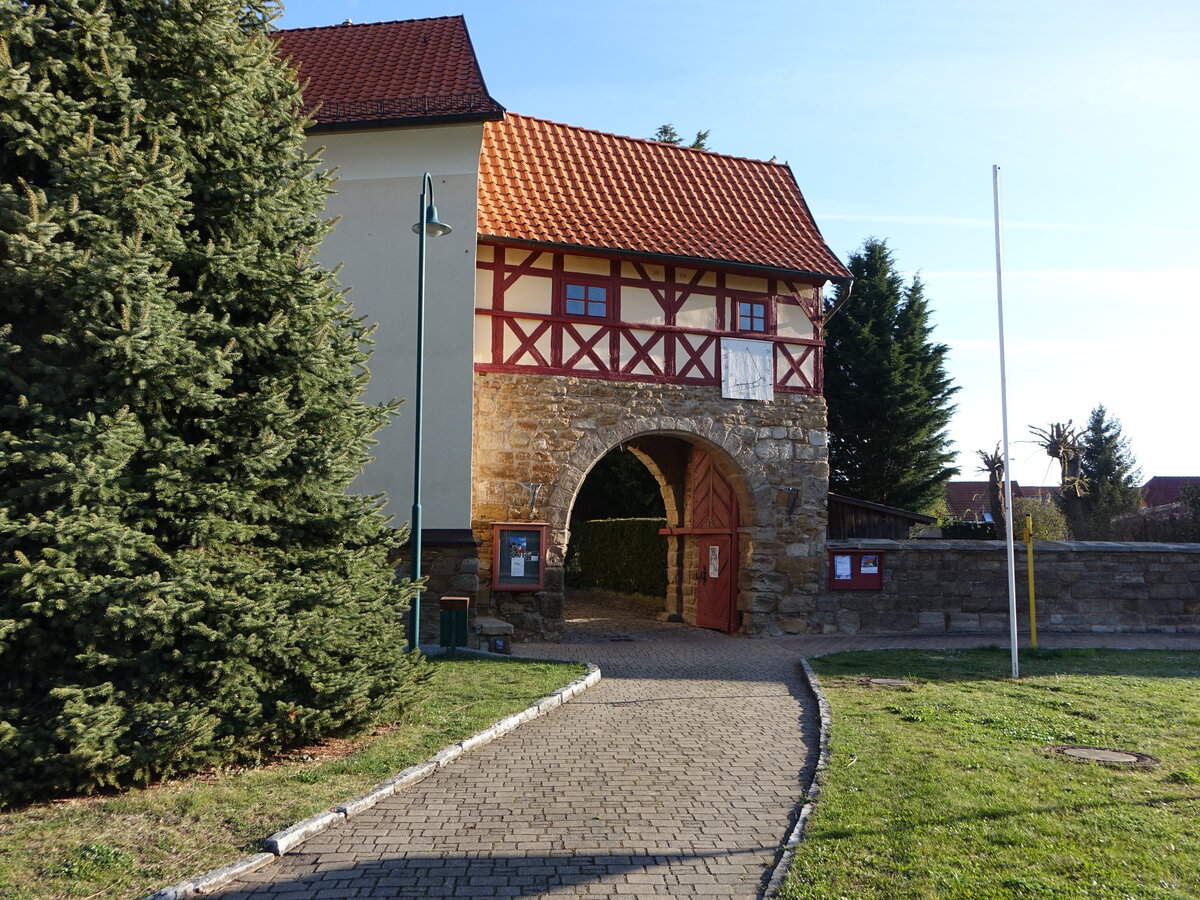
<point>610,347</point>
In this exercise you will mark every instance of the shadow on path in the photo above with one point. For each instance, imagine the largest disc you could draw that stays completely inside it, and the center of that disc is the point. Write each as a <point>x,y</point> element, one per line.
<point>562,873</point>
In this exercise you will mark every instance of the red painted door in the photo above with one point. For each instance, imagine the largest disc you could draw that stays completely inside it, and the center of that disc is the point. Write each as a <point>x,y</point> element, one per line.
<point>714,587</point>
<point>714,514</point>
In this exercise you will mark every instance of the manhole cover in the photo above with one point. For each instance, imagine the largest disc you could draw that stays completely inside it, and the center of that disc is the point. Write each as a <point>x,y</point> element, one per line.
<point>1106,756</point>
<point>886,682</point>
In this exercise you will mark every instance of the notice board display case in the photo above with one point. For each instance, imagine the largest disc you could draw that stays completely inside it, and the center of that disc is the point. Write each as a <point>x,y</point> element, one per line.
<point>518,556</point>
<point>855,570</point>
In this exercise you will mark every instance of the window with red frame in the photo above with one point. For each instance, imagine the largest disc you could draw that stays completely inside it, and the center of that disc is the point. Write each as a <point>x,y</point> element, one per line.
<point>752,316</point>
<point>590,300</point>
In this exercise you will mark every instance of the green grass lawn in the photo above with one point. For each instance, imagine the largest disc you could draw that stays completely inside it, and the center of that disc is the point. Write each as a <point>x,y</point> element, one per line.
<point>131,844</point>
<point>945,788</point>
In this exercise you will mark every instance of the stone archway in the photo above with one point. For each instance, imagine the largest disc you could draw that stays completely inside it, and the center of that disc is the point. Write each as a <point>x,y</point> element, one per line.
<point>671,459</point>
<point>551,431</point>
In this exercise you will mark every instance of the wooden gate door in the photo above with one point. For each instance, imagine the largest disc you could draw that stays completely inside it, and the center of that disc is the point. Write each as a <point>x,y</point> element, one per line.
<point>714,522</point>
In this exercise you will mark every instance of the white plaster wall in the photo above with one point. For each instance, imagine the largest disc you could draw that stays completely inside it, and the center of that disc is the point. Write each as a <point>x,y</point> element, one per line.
<point>529,293</point>
<point>588,265</point>
<point>641,306</point>
<point>746,283</point>
<point>793,321</point>
<point>377,196</point>
<point>697,312</point>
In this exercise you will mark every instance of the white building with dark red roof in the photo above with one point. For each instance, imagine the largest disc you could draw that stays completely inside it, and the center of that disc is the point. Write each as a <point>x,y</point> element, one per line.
<point>597,291</point>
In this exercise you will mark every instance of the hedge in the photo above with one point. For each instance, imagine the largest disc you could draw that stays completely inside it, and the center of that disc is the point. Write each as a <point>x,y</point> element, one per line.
<point>627,555</point>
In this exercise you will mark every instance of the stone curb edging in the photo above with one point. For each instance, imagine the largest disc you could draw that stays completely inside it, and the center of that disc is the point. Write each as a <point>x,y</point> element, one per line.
<point>282,841</point>
<point>796,835</point>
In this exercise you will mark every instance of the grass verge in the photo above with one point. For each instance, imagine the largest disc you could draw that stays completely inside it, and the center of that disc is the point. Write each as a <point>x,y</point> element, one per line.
<point>131,844</point>
<point>945,788</point>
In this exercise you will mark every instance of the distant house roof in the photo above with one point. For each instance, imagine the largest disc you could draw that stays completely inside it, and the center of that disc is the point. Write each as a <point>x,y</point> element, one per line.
<point>1042,491</point>
<point>389,73</point>
<point>967,501</point>
<point>1163,489</point>
<point>543,182</point>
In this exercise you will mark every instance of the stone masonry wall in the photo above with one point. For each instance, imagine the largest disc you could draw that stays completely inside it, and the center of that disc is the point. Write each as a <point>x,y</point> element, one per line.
<point>552,429</point>
<point>935,587</point>
<point>447,571</point>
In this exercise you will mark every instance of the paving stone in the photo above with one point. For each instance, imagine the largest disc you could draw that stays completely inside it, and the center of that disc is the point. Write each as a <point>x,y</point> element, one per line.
<point>687,759</point>
<point>677,775</point>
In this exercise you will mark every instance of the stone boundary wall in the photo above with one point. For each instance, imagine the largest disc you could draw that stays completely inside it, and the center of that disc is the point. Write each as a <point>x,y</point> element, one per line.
<point>938,587</point>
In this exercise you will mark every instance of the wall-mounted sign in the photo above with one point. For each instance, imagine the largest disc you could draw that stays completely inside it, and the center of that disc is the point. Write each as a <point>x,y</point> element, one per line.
<point>518,556</point>
<point>860,570</point>
<point>747,369</point>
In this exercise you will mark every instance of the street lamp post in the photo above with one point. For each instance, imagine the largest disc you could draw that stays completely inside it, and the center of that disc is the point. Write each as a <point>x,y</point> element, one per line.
<point>427,226</point>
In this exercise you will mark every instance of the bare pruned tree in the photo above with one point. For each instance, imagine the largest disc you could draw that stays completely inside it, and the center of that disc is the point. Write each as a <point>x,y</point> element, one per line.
<point>1064,443</point>
<point>993,465</point>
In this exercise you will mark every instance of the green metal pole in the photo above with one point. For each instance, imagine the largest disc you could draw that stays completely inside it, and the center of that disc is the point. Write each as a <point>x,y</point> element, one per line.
<point>414,629</point>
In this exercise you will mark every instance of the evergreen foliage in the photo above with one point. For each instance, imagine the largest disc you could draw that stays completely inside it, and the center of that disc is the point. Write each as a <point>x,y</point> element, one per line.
<point>1111,474</point>
<point>666,134</point>
<point>619,486</point>
<point>887,389</point>
<point>626,555</point>
<point>184,580</point>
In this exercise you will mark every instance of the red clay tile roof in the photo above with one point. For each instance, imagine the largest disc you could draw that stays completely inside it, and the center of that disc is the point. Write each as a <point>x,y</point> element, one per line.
<point>1045,492</point>
<point>415,69</point>
<point>1163,489</point>
<point>550,183</point>
<point>967,501</point>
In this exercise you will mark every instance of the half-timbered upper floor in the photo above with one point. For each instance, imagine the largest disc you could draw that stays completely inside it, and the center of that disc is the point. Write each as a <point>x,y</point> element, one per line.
<point>610,317</point>
<point>613,257</point>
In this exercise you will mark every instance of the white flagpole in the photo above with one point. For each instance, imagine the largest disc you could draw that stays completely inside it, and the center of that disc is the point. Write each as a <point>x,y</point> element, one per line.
<point>1008,503</point>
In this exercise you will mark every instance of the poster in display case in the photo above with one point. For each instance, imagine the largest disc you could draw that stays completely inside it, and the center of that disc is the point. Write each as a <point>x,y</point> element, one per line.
<point>860,570</point>
<point>518,556</point>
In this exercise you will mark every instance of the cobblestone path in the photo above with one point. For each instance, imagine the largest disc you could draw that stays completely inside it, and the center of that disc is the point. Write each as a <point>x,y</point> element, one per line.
<point>677,775</point>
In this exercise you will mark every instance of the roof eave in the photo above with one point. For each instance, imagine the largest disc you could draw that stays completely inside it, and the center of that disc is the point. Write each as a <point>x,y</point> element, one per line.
<point>696,261</point>
<point>405,122</point>
<point>879,507</point>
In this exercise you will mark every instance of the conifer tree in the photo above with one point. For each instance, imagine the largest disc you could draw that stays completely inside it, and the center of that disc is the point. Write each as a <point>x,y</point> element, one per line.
<point>1111,474</point>
<point>887,389</point>
<point>184,579</point>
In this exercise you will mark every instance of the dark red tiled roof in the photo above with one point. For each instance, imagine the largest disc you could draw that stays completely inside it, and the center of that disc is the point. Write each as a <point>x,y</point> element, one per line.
<point>415,69</point>
<point>1163,489</point>
<point>1044,492</point>
<point>967,501</point>
<point>550,183</point>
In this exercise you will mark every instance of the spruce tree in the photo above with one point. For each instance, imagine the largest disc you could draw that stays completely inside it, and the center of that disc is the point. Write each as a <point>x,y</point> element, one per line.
<point>887,389</point>
<point>1111,474</point>
<point>184,579</point>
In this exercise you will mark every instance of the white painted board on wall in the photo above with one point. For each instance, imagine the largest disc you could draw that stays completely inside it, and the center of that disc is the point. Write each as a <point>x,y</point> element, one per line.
<point>747,369</point>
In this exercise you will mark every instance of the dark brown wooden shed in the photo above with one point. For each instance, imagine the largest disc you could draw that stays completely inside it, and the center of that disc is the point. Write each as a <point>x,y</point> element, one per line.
<point>851,518</point>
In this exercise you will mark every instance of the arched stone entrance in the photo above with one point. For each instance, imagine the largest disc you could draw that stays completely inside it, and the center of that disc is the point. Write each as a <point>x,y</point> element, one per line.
<point>551,430</point>
<point>703,494</point>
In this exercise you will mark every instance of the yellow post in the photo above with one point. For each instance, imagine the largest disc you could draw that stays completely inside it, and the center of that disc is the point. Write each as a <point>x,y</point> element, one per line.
<point>1029,565</point>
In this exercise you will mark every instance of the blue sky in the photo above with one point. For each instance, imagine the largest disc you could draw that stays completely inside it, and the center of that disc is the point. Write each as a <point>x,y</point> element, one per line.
<point>891,115</point>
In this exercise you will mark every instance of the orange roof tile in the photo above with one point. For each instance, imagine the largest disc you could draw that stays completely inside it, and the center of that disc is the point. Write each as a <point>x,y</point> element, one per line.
<point>550,183</point>
<point>415,69</point>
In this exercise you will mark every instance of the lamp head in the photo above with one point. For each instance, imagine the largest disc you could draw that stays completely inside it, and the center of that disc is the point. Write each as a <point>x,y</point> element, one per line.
<point>433,226</point>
